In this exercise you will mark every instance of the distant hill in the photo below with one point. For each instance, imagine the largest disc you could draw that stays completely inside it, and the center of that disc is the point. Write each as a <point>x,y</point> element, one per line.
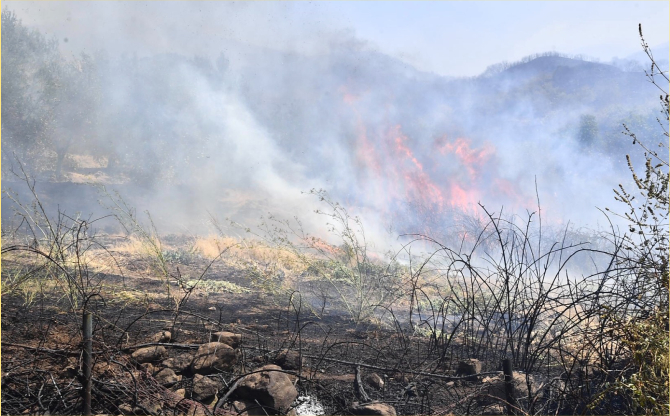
<point>661,53</point>
<point>552,83</point>
<point>548,64</point>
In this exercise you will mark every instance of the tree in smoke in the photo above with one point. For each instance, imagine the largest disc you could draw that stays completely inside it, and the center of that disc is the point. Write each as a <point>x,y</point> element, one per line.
<point>28,64</point>
<point>49,103</point>
<point>588,130</point>
<point>75,101</point>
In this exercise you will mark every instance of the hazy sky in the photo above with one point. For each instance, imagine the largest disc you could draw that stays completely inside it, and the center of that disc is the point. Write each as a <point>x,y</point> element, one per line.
<point>448,38</point>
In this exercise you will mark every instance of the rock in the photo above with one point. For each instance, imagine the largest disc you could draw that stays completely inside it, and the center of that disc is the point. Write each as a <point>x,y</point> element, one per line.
<point>148,367</point>
<point>380,409</point>
<point>470,367</point>
<point>520,385</point>
<point>288,360</point>
<point>247,408</point>
<point>150,354</point>
<point>126,409</point>
<point>271,388</point>
<point>194,409</point>
<point>213,357</point>
<point>179,363</point>
<point>373,380</point>
<point>227,338</point>
<point>185,334</point>
<point>401,378</point>
<point>204,388</point>
<point>495,410</point>
<point>163,336</point>
<point>493,389</point>
<point>166,377</point>
<point>197,409</point>
<point>148,407</point>
<point>211,401</point>
<point>180,392</point>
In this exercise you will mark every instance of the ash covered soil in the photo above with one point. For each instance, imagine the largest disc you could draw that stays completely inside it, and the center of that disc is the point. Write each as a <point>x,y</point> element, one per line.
<point>134,311</point>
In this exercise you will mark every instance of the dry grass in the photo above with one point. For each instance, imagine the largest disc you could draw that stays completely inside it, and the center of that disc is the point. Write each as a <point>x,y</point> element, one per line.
<point>252,254</point>
<point>97,177</point>
<point>85,161</point>
<point>131,246</point>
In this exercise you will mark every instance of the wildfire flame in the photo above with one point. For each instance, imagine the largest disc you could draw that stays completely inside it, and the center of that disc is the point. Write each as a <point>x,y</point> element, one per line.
<point>397,170</point>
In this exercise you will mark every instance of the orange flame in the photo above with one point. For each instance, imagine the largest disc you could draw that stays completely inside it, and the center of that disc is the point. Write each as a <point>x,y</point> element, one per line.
<point>471,159</point>
<point>455,174</point>
<point>418,184</point>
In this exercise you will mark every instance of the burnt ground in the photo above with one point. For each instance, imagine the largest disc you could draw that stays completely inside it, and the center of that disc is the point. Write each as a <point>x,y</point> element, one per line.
<point>42,342</point>
<point>41,345</point>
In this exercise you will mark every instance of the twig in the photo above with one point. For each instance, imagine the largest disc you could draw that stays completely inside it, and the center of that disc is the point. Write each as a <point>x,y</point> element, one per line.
<point>358,387</point>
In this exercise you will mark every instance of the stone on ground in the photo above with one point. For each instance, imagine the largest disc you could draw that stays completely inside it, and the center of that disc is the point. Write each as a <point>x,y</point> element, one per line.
<point>493,388</point>
<point>288,360</point>
<point>375,381</point>
<point>167,377</point>
<point>470,367</point>
<point>213,357</point>
<point>271,388</point>
<point>150,354</point>
<point>380,409</point>
<point>247,408</point>
<point>163,336</point>
<point>126,409</point>
<point>227,338</point>
<point>204,388</point>
<point>148,367</point>
<point>179,363</point>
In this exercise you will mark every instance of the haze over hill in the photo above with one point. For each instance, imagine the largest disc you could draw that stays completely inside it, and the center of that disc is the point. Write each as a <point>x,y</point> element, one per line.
<point>245,133</point>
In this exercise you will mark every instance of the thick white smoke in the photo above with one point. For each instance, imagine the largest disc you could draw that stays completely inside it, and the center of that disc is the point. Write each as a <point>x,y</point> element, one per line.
<point>235,109</point>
